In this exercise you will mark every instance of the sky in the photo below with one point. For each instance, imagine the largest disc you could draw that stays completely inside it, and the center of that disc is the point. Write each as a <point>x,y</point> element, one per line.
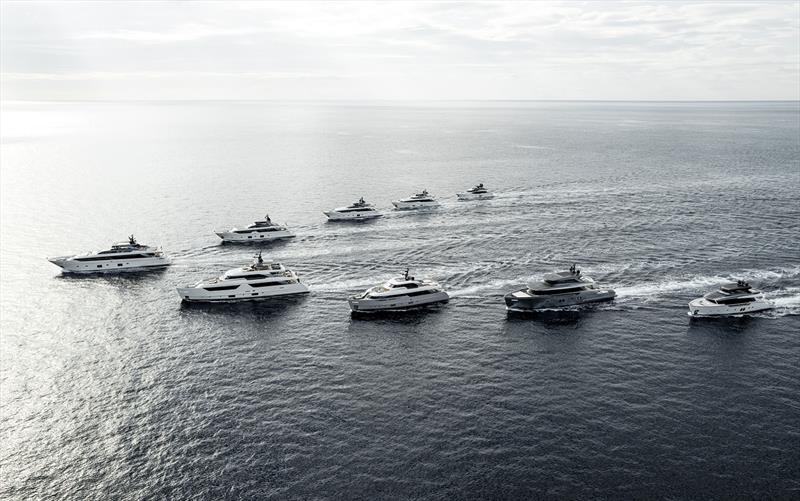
<point>595,50</point>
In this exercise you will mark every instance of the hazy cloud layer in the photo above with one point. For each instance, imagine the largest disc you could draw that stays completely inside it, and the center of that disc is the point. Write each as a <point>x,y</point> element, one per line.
<point>400,50</point>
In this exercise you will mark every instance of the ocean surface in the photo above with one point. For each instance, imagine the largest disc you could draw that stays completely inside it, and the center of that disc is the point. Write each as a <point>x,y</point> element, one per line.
<point>111,389</point>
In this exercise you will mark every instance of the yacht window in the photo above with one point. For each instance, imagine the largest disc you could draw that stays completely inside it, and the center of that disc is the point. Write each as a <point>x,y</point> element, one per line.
<point>221,288</point>
<point>406,286</point>
<point>111,258</point>
<point>545,292</point>
<point>267,284</point>
<point>735,300</point>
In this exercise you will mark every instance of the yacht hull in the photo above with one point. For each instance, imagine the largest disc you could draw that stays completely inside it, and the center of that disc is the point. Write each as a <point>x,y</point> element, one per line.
<point>253,236</point>
<point>359,305</point>
<point>401,205</point>
<point>522,301</point>
<point>242,293</point>
<point>351,216</point>
<point>704,308</point>
<point>473,196</point>
<point>72,265</point>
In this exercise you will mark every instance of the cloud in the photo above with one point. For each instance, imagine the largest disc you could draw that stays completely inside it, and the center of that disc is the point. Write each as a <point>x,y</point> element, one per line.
<point>150,75</point>
<point>185,33</point>
<point>409,50</point>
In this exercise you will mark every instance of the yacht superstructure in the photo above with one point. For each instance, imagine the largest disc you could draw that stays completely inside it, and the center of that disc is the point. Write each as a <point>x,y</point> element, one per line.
<point>261,280</point>
<point>260,231</point>
<point>422,200</point>
<point>359,210</point>
<point>478,192</point>
<point>122,256</point>
<point>399,293</point>
<point>731,299</point>
<point>557,290</point>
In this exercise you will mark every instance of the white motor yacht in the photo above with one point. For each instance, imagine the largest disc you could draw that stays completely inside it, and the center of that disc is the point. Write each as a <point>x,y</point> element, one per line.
<point>565,288</point>
<point>400,293</point>
<point>260,231</point>
<point>422,200</point>
<point>478,192</point>
<point>731,299</point>
<point>260,280</point>
<point>123,256</point>
<point>354,212</point>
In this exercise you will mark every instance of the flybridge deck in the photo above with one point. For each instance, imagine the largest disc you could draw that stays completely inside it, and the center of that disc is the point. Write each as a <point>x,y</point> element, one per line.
<point>355,208</point>
<point>733,293</point>
<point>360,205</point>
<point>561,277</point>
<point>562,281</point>
<point>259,264</point>
<point>266,266</point>
<point>419,197</point>
<point>732,288</point>
<point>261,228</point>
<point>128,246</point>
<point>400,286</point>
<point>269,225</point>
<point>253,272</point>
<point>123,247</point>
<point>261,224</point>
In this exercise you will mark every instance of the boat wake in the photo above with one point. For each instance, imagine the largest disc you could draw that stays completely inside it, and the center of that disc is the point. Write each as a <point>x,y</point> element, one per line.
<point>786,301</point>
<point>763,279</point>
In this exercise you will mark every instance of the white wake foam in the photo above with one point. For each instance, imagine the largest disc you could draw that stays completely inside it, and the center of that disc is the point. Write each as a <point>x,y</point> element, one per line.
<point>703,283</point>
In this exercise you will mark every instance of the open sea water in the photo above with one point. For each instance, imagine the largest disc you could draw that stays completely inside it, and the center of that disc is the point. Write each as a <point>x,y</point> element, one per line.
<point>111,389</point>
